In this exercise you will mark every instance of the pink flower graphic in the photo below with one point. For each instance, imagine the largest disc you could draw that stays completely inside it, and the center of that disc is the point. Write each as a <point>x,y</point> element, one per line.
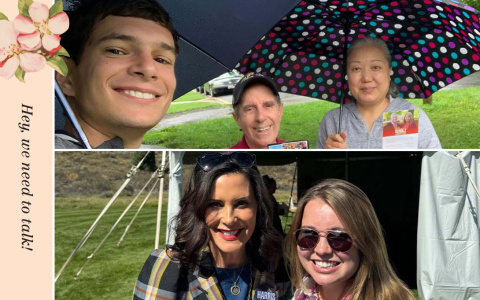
<point>32,40</point>
<point>41,30</point>
<point>12,54</point>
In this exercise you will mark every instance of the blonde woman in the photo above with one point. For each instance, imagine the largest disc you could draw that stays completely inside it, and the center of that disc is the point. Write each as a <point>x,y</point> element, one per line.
<point>336,250</point>
<point>409,124</point>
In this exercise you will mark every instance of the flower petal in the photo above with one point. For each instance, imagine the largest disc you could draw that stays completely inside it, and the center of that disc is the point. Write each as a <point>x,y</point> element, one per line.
<point>50,42</point>
<point>32,62</point>
<point>59,23</point>
<point>7,34</point>
<point>9,68</point>
<point>30,41</point>
<point>23,24</point>
<point>3,56</point>
<point>38,12</point>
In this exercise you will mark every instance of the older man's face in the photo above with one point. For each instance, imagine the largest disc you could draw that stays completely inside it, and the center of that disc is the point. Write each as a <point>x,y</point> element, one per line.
<point>393,118</point>
<point>259,116</point>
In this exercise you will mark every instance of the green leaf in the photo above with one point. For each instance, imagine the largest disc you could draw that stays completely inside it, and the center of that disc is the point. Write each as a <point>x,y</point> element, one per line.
<point>3,17</point>
<point>56,8</point>
<point>58,64</point>
<point>62,52</point>
<point>20,74</point>
<point>23,6</point>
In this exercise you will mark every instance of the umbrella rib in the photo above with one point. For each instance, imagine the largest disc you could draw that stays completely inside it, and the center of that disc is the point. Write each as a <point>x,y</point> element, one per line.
<point>205,53</point>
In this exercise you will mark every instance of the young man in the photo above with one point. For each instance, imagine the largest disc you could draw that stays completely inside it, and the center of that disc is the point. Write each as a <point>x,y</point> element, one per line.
<point>121,79</point>
<point>258,111</point>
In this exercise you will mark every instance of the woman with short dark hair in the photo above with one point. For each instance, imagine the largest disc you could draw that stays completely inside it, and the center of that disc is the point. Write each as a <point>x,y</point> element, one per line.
<point>369,67</point>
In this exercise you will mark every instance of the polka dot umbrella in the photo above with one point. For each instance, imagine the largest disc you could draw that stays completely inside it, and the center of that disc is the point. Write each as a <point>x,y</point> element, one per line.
<point>433,43</point>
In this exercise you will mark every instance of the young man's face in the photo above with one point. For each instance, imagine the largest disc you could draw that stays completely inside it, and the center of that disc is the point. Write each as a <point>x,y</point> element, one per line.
<point>125,78</point>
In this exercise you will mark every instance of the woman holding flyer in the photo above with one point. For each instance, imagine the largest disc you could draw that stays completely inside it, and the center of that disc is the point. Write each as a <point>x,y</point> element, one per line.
<point>336,250</point>
<point>368,71</point>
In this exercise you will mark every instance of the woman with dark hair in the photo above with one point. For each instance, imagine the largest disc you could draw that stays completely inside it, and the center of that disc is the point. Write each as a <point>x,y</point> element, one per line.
<point>369,67</point>
<point>225,246</point>
<point>336,250</point>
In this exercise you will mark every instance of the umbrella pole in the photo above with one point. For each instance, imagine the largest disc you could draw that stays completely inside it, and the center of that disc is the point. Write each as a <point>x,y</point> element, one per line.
<point>344,72</point>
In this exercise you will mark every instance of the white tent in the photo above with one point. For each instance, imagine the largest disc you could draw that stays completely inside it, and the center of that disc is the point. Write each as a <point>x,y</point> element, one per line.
<point>448,242</point>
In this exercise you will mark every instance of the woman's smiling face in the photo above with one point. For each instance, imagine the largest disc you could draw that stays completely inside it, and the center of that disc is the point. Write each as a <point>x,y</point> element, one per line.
<point>231,216</point>
<point>327,267</point>
<point>368,75</point>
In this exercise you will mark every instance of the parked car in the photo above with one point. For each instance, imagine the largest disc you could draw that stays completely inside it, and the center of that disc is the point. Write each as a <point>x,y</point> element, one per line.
<point>222,84</point>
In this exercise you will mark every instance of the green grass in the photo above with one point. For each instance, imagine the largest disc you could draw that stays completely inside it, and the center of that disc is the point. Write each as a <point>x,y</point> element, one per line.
<point>223,133</point>
<point>454,114</point>
<point>190,96</point>
<point>181,107</point>
<point>112,272</point>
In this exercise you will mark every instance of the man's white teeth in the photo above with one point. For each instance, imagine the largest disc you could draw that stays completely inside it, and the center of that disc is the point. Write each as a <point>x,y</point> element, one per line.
<point>324,264</point>
<point>229,233</point>
<point>139,94</point>
<point>263,129</point>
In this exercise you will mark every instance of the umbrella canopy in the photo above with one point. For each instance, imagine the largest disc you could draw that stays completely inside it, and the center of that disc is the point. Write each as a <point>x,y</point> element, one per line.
<point>433,43</point>
<point>215,34</point>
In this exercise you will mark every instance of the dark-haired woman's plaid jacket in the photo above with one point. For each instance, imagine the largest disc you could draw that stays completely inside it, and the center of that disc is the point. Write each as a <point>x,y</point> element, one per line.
<point>160,278</point>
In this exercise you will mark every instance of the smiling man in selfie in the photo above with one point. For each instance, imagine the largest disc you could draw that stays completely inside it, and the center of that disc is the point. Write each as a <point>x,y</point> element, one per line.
<point>121,79</point>
<point>258,111</point>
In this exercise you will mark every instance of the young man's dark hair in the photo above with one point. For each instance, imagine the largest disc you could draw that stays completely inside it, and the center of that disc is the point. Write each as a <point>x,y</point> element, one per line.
<point>85,14</point>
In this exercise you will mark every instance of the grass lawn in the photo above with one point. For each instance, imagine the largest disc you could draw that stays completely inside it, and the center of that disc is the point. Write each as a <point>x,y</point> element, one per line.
<point>190,96</point>
<point>454,114</point>
<point>112,272</point>
<point>181,107</point>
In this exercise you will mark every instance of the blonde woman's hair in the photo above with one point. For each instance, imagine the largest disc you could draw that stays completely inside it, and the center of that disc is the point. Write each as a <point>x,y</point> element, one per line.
<point>375,278</point>
<point>410,115</point>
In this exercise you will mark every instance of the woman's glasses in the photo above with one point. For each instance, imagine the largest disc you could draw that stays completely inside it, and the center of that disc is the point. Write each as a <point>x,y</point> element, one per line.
<point>210,160</point>
<point>308,238</point>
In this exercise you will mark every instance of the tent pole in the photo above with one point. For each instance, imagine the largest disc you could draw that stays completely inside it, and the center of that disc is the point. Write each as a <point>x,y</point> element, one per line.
<point>175,188</point>
<point>291,206</point>
<point>157,173</point>
<point>130,174</point>
<point>469,174</point>
<point>160,198</point>
<point>115,225</point>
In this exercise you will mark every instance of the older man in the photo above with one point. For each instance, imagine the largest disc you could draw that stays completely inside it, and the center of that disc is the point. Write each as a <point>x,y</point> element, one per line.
<point>389,128</point>
<point>258,111</point>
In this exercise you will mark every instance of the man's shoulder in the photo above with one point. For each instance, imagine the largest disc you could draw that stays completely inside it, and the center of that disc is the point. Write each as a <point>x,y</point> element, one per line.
<point>63,140</point>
